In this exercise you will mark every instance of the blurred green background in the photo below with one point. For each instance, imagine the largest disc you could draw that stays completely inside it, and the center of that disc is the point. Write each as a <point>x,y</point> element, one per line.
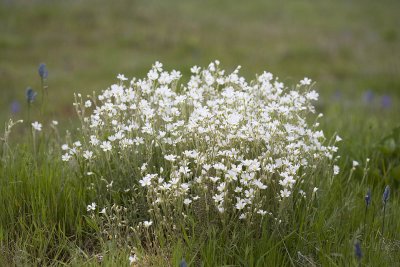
<point>351,48</point>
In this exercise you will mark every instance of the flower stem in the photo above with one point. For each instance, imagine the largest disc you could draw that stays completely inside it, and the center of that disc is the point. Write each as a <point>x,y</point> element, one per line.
<point>383,222</point>
<point>365,220</point>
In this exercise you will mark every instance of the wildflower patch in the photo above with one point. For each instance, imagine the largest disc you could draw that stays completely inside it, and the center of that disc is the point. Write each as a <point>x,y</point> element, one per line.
<point>217,140</point>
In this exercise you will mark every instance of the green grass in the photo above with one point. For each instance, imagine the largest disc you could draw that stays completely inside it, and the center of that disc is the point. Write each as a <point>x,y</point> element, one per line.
<point>346,46</point>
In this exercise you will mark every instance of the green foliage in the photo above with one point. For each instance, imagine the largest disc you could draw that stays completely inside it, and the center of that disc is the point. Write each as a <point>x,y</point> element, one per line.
<point>86,43</point>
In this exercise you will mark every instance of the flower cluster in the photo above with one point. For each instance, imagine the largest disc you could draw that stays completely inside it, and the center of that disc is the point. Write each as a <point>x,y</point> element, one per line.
<point>218,138</point>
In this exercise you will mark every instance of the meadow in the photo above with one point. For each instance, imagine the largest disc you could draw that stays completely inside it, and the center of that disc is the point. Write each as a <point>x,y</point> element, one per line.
<point>69,200</point>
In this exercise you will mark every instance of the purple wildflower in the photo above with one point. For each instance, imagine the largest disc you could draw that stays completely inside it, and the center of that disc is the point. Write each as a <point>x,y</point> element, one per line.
<point>15,107</point>
<point>183,263</point>
<point>386,194</point>
<point>30,95</point>
<point>357,250</point>
<point>368,96</point>
<point>368,197</point>
<point>43,73</point>
<point>386,101</point>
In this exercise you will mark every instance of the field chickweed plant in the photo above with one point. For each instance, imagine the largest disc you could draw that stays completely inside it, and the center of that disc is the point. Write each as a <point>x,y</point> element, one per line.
<point>202,171</point>
<point>160,153</point>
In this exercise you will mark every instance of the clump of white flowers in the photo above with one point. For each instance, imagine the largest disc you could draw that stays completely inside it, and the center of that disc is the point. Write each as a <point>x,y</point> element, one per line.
<point>217,139</point>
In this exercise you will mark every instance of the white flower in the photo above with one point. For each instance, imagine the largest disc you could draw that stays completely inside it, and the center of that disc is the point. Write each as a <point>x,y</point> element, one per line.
<point>219,166</point>
<point>240,204</point>
<point>195,69</point>
<point>305,81</point>
<point>103,211</point>
<point>64,147</point>
<point>336,170</point>
<point>221,187</point>
<point>187,201</point>
<point>88,104</point>
<point>218,198</point>
<point>262,212</point>
<point>355,163</point>
<point>87,154</point>
<point>285,193</point>
<point>214,179</point>
<point>234,118</point>
<point>313,96</point>
<point>94,141</point>
<point>37,126</point>
<point>146,181</point>
<point>133,259</point>
<point>73,151</point>
<point>191,153</point>
<point>55,123</point>
<point>152,75</point>
<point>110,185</point>
<point>77,144</point>
<point>238,189</point>
<point>147,224</point>
<point>259,184</point>
<point>122,77</point>
<point>171,157</point>
<point>185,187</point>
<point>158,66</point>
<point>315,189</point>
<point>91,207</point>
<point>144,167</point>
<point>184,170</point>
<point>106,146</point>
<point>66,157</point>
<point>338,139</point>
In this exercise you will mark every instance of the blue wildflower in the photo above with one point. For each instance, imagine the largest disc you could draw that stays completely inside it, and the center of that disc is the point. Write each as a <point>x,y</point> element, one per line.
<point>15,107</point>
<point>337,96</point>
<point>368,97</point>
<point>368,197</point>
<point>30,95</point>
<point>386,101</point>
<point>43,73</point>
<point>357,251</point>
<point>386,194</point>
<point>183,263</point>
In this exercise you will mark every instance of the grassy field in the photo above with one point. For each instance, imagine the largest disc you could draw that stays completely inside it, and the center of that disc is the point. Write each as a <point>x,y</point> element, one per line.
<point>347,46</point>
<point>350,48</point>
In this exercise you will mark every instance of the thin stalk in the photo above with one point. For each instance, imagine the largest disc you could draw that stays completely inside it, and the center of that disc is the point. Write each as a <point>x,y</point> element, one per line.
<point>29,112</point>
<point>44,95</point>
<point>365,219</point>
<point>385,198</point>
<point>42,106</point>
<point>383,221</point>
<point>34,144</point>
